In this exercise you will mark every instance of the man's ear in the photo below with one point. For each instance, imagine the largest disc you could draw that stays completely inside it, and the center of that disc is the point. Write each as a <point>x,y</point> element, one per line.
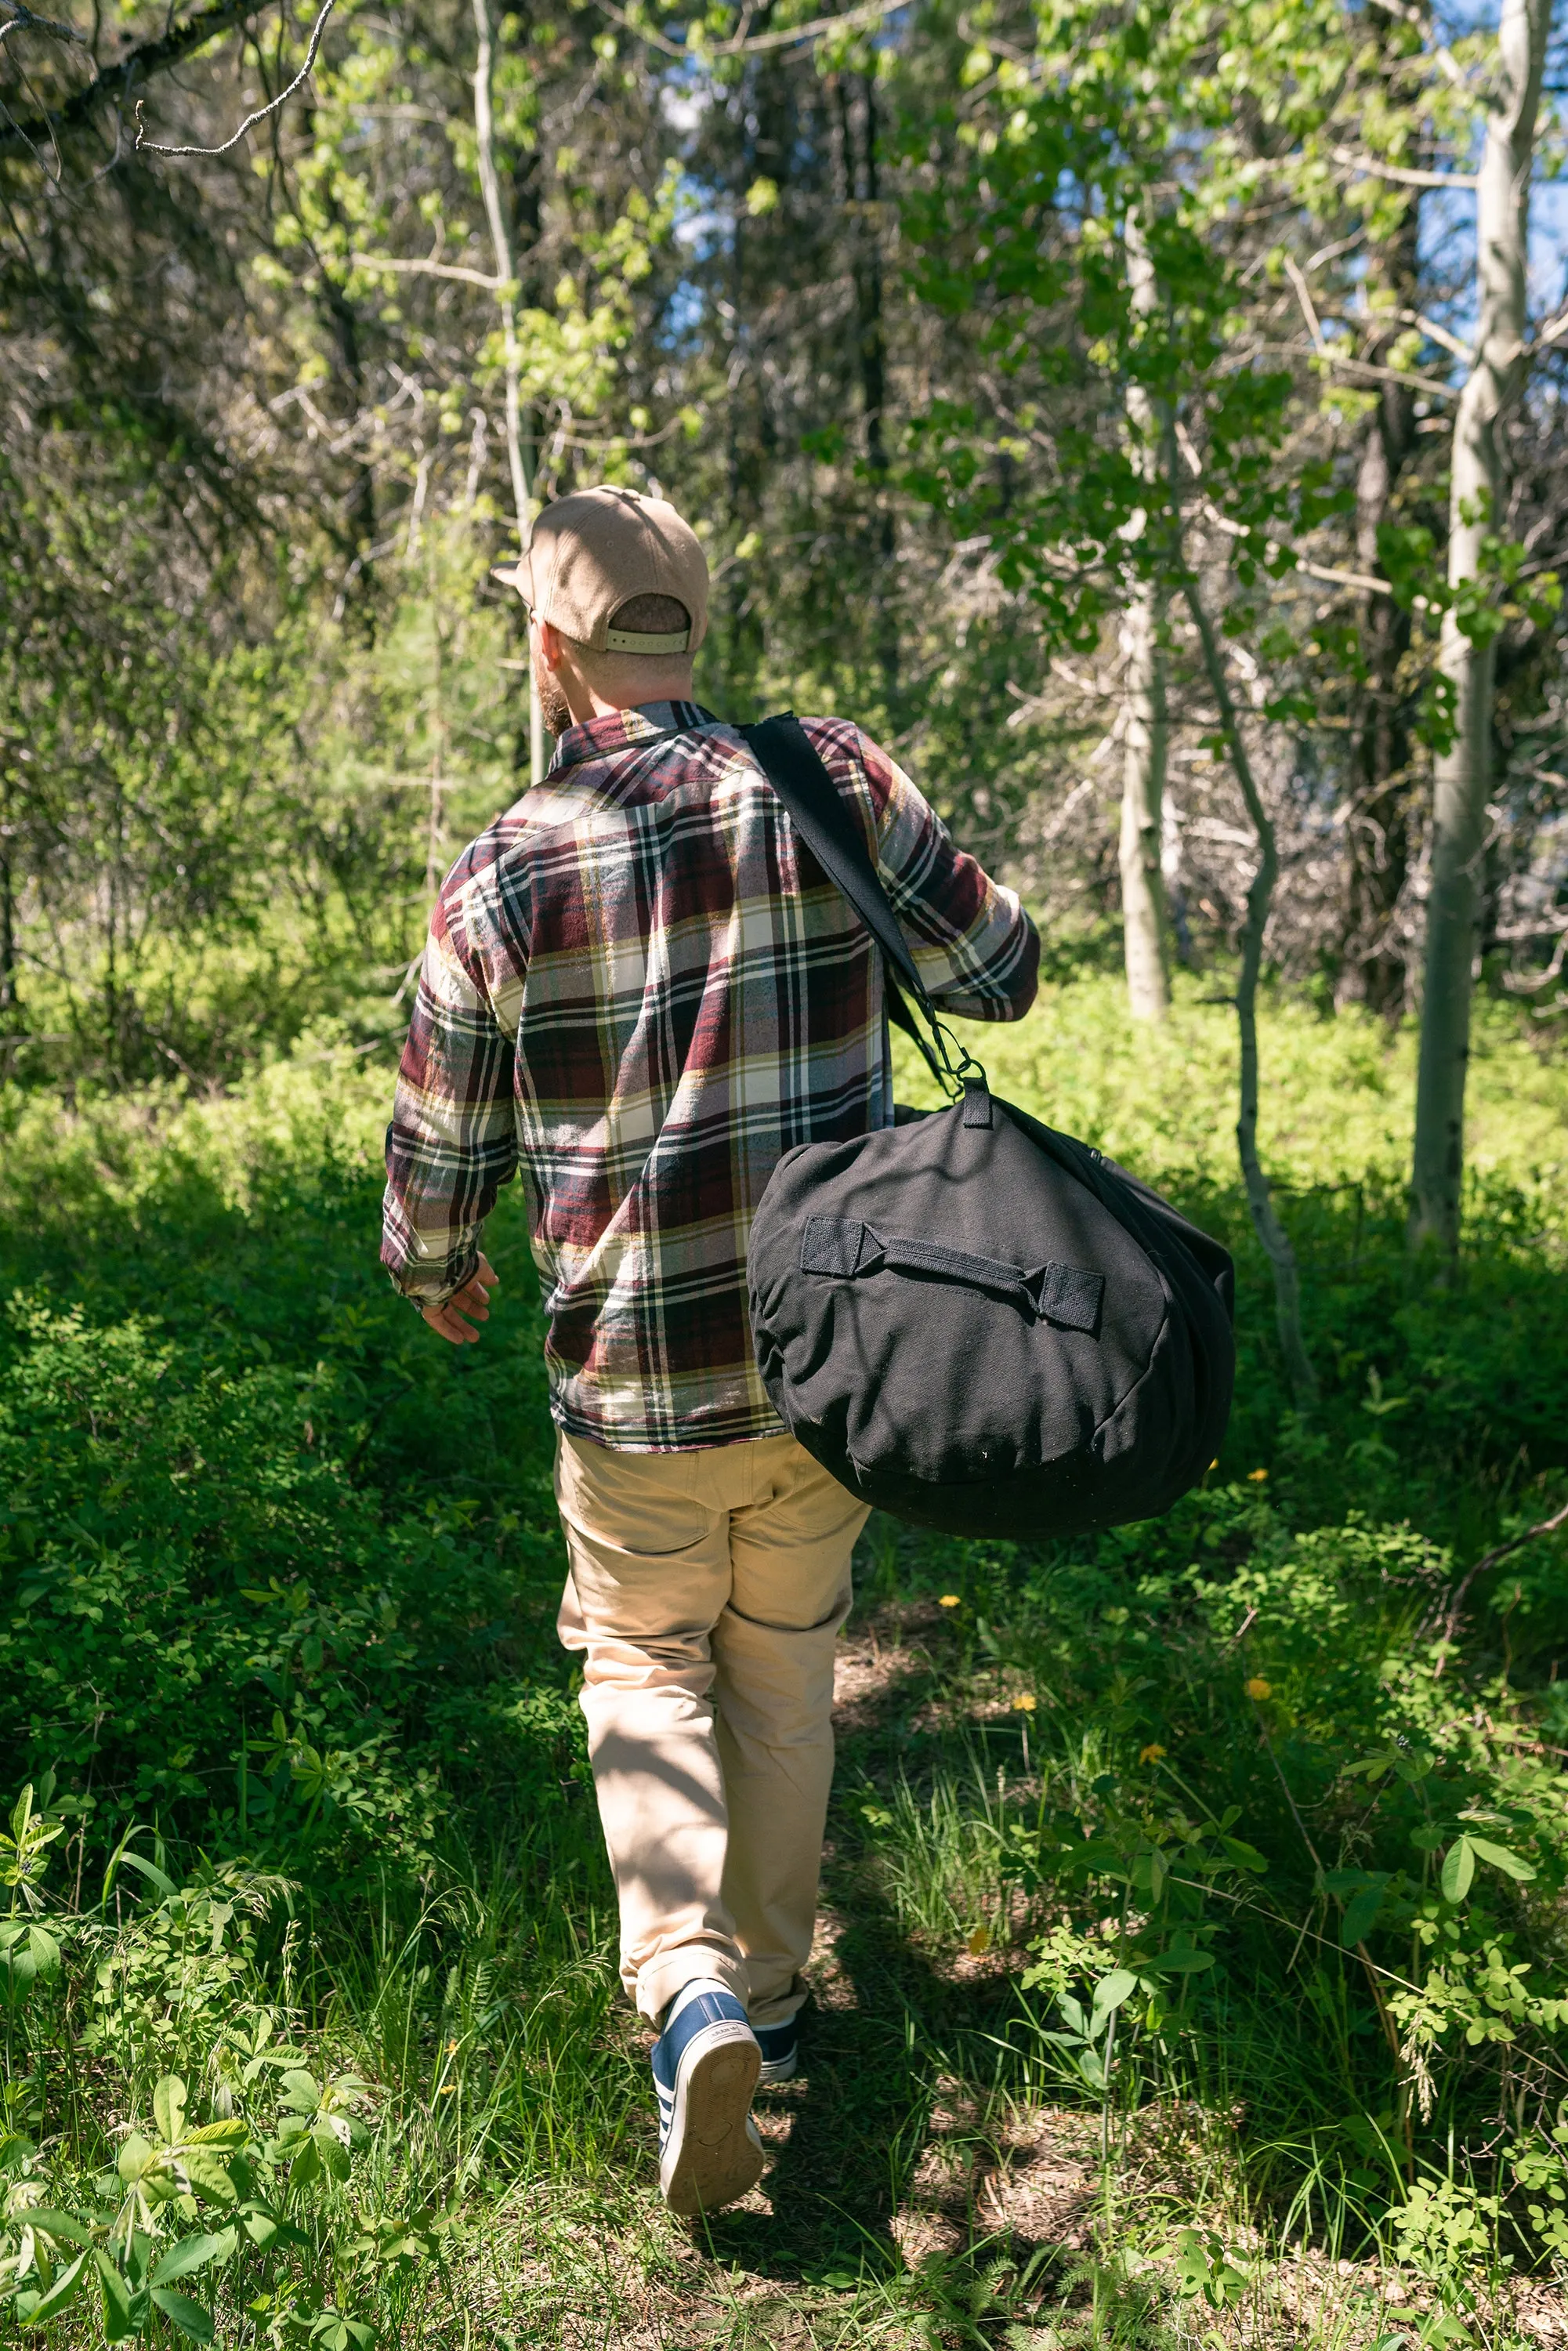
<point>551,643</point>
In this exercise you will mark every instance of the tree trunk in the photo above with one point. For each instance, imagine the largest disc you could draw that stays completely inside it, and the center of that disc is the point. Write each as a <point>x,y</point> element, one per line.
<point>1377,833</point>
<point>1266,1223</point>
<point>520,454</point>
<point>8,992</point>
<point>1144,928</point>
<point>866,243</point>
<point>1463,772</point>
<point>1379,829</point>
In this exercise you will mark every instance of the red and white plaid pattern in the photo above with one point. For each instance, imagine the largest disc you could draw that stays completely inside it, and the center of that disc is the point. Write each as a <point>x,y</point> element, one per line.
<point>640,989</point>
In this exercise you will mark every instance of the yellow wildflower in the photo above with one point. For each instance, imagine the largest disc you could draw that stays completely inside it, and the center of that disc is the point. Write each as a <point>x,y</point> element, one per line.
<point>949,1599</point>
<point>1259,1688</point>
<point>1024,1703</point>
<point>1151,1753</point>
<point>1257,1476</point>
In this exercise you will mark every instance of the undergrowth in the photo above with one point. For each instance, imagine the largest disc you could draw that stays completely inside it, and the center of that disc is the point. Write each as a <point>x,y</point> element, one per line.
<point>1235,1843</point>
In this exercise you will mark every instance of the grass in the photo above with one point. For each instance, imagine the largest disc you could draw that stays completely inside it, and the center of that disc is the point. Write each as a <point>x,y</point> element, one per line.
<point>1192,1756</point>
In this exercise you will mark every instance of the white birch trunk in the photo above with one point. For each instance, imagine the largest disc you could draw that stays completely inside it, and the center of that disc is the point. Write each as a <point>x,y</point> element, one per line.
<point>519,455</point>
<point>1144,930</point>
<point>1463,774</point>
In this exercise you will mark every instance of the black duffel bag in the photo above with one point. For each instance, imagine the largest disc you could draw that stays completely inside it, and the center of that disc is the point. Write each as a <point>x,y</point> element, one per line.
<point>969,1319</point>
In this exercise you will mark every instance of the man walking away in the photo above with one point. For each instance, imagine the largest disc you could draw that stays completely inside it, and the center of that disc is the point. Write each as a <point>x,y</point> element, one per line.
<point>640,989</point>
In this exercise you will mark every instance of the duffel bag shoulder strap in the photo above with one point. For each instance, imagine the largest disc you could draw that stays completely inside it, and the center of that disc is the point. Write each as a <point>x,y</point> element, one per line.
<point>792,764</point>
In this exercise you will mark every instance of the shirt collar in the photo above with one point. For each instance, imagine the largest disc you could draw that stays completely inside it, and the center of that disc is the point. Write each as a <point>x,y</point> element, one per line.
<point>619,729</point>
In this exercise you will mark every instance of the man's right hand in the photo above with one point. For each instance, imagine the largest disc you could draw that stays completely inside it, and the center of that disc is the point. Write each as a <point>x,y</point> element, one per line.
<point>472,1300</point>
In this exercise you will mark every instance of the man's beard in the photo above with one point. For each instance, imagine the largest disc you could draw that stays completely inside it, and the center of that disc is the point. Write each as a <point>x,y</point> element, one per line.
<point>557,716</point>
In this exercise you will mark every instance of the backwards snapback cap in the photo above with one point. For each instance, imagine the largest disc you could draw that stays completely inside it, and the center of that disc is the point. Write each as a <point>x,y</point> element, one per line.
<point>591,553</point>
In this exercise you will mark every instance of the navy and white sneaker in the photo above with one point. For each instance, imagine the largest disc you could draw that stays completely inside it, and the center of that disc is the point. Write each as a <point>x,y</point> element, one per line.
<point>706,2064</point>
<point>781,2047</point>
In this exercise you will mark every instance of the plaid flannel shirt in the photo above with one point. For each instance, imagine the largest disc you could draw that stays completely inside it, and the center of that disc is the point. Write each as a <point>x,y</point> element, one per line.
<point>640,989</point>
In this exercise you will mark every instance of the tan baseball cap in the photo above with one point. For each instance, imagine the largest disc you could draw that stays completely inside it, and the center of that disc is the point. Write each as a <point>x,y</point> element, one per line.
<point>592,552</point>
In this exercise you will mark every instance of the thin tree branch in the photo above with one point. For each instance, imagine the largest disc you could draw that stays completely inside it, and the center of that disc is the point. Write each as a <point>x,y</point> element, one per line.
<point>429,269</point>
<point>870,13</point>
<point>1371,169</point>
<point>24,21</point>
<point>119,79</point>
<point>145,146</point>
<point>1442,57</point>
<point>1325,350</point>
<point>1489,1559</point>
<point>1362,579</point>
<point>1266,1222</point>
<point>1437,334</point>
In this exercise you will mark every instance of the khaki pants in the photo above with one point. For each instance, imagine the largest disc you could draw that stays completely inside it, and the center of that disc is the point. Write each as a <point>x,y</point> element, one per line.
<point>706,1590</point>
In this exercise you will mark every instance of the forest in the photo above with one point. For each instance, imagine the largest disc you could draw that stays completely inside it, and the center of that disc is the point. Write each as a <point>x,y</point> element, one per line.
<point>1148,422</point>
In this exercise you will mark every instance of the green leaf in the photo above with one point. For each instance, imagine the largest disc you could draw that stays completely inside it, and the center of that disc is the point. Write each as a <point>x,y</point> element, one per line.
<point>134,2157</point>
<point>118,2318</point>
<point>188,2315</point>
<point>63,2225</point>
<point>133,1861</point>
<point>209,2172</point>
<point>1113,1989</point>
<point>169,2107</point>
<point>192,2253</point>
<point>333,2153</point>
<point>1500,1858</point>
<point>62,2292</point>
<point>1361,1916</point>
<point>1182,1963</point>
<point>1459,1868</point>
<point>43,1952</point>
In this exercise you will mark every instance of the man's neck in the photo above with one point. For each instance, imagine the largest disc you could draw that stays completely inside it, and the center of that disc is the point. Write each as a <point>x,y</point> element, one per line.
<point>665,686</point>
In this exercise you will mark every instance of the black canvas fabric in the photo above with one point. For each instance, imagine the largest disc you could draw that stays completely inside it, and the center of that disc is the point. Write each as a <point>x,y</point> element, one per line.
<point>971,1320</point>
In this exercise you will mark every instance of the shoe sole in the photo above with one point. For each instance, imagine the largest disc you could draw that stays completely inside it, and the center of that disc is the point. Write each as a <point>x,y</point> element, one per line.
<point>713,2158</point>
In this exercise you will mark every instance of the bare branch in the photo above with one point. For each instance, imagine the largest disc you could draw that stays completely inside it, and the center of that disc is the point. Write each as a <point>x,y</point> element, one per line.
<point>1326,352</point>
<point>1442,57</point>
<point>1303,295</point>
<point>1437,334</point>
<point>1370,168</point>
<point>428,268</point>
<point>1362,579</point>
<point>118,80</point>
<point>145,146</point>
<point>22,20</point>
<point>870,13</point>
<point>1547,1527</point>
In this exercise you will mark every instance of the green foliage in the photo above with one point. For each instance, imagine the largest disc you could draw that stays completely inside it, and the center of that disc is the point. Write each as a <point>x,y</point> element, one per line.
<point>256,1582</point>
<point>1222,1820</point>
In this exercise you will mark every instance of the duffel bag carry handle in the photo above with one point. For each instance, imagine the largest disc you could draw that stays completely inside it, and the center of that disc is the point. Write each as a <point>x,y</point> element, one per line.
<point>845,1247</point>
<point>792,764</point>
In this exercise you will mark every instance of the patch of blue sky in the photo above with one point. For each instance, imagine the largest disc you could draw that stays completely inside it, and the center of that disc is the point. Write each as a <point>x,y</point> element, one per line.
<point>1448,215</point>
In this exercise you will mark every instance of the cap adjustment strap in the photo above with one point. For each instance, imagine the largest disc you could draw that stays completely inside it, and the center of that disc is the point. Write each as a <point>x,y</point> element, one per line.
<point>632,641</point>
